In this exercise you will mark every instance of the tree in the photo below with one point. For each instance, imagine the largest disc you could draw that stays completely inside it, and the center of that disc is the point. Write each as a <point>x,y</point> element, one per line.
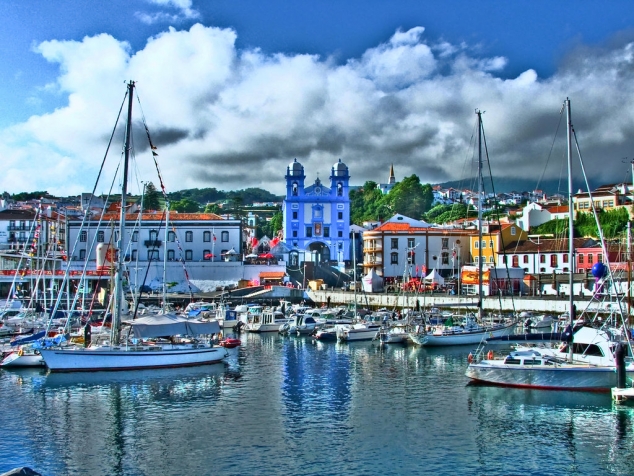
<point>410,198</point>
<point>185,206</point>
<point>365,203</point>
<point>151,198</point>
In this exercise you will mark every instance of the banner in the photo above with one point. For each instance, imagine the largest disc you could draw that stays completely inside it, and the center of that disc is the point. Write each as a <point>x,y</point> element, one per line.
<point>469,275</point>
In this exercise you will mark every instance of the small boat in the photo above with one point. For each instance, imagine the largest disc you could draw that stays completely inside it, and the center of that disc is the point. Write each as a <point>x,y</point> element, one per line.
<point>359,331</point>
<point>230,342</point>
<point>394,335</point>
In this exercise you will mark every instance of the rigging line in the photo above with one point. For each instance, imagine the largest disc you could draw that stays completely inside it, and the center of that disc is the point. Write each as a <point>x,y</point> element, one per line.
<point>66,277</point>
<point>497,215</point>
<point>552,145</point>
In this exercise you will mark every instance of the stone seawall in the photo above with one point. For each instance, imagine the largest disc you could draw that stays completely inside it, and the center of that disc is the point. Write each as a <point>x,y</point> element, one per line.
<point>546,304</point>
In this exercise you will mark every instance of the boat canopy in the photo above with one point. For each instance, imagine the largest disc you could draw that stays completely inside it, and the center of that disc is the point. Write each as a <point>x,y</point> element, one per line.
<point>170,325</point>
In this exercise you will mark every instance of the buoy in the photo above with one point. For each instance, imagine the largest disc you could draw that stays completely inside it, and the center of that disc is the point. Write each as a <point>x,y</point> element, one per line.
<point>490,355</point>
<point>470,357</point>
<point>20,353</point>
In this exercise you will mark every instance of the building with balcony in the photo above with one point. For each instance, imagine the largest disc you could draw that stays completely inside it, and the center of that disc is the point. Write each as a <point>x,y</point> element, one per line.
<point>404,246</point>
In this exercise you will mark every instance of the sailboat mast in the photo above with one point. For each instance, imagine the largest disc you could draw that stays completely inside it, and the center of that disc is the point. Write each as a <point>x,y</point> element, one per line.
<point>571,248</point>
<point>480,204</point>
<point>119,296</point>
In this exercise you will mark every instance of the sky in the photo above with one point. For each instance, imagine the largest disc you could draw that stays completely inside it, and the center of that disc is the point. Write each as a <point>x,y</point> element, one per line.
<point>232,91</point>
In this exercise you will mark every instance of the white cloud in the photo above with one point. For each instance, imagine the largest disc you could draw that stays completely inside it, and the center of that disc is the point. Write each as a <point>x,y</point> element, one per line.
<point>233,119</point>
<point>184,11</point>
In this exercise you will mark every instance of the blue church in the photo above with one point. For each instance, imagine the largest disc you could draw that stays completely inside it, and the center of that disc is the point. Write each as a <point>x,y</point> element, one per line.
<point>316,217</point>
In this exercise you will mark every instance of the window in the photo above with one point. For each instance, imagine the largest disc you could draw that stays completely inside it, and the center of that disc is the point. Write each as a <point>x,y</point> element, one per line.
<point>395,243</point>
<point>581,258</point>
<point>565,257</point>
<point>83,236</point>
<point>82,254</point>
<point>224,237</point>
<point>492,260</point>
<point>206,236</point>
<point>152,255</point>
<point>339,215</point>
<point>309,232</point>
<point>445,258</point>
<point>445,243</point>
<point>339,189</point>
<point>542,258</point>
<point>189,255</point>
<point>491,244</point>
<point>294,192</point>
<point>477,259</point>
<point>410,243</point>
<point>340,234</point>
<point>135,236</point>
<point>170,255</point>
<point>553,261</point>
<point>513,231</point>
<point>189,236</point>
<point>317,212</point>
<point>600,258</point>
<point>134,255</point>
<point>394,258</point>
<point>294,233</point>
<point>525,259</point>
<point>477,245</point>
<point>294,215</point>
<point>515,261</point>
<point>206,255</point>
<point>171,236</point>
<point>484,244</point>
<point>100,236</point>
<point>326,232</point>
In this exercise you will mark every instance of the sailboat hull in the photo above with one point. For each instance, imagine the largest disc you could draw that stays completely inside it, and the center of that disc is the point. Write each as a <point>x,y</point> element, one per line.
<point>109,358</point>
<point>461,338</point>
<point>567,377</point>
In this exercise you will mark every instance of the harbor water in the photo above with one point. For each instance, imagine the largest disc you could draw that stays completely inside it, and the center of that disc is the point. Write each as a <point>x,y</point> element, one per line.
<point>286,405</point>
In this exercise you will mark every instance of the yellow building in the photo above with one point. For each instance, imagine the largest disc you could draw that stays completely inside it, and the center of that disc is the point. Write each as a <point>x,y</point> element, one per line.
<point>495,237</point>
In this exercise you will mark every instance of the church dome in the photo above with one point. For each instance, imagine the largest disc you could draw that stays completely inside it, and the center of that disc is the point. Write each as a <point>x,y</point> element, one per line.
<point>295,168</point>
<point>339,169</point>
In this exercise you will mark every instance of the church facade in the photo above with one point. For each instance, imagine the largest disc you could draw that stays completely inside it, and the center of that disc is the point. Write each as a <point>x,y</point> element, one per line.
<point>317,217</point>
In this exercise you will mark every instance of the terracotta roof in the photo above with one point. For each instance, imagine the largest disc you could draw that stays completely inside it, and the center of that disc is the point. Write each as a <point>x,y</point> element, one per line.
<point>548,245</point>
<point>558,209</point>
<point>159,216</point>
<point>391,226</point>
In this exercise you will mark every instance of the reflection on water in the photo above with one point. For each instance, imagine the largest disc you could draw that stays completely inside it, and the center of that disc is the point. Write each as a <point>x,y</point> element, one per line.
<point>283,405</point>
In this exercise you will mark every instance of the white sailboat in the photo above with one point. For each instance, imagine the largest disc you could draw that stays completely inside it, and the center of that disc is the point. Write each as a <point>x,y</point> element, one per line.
<point>584,361</point>
<point>137,352</point>
<point>471,331</point>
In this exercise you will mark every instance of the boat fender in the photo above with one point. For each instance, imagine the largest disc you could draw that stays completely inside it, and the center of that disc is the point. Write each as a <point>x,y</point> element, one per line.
<point>219,335</point>
<point>490,355</point>
<point>470,357</point>
<point>20,353</point>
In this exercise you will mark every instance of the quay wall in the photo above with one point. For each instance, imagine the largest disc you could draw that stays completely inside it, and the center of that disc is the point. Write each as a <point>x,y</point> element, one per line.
<point>545,304</point>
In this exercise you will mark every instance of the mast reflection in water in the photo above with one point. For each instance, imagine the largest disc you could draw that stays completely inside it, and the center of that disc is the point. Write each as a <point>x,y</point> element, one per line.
<point>289,406</point>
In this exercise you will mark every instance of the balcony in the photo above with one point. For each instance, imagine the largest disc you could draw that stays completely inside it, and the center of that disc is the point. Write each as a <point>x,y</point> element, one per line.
<point>152,243</point>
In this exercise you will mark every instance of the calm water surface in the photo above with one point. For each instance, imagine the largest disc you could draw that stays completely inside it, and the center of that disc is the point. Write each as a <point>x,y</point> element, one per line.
<point>288,406</point>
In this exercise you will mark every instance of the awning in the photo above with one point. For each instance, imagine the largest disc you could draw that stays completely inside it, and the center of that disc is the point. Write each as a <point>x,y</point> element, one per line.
<point>274,275</point>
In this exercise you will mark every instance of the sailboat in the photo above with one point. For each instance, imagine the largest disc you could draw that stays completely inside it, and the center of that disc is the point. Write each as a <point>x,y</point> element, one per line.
<point>471,330</point>
<point>585,358</point>
<point>137,352</point>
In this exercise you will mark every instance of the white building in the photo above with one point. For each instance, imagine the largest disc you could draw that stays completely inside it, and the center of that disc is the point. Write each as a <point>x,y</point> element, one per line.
<point>403,245</point>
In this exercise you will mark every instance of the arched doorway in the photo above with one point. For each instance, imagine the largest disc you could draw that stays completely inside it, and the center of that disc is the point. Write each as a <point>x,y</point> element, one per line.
<point>320,252</point>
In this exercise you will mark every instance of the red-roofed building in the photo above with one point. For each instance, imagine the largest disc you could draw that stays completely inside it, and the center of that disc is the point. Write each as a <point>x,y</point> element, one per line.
<point>404,246</point>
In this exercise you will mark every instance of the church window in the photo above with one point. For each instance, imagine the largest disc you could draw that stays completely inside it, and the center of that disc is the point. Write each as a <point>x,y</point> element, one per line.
<point>340,234</point>
<point>326,232</point>
<point>295,188</point>
<point>294,215</point>
<point>339,189</point>
<point>295,234</point>
<point>309,232</point>
<point>339,215</point>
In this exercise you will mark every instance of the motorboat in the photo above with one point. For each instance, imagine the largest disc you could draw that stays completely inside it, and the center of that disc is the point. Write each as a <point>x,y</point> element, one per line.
<point>358,331</point>
<point>266,321</point>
